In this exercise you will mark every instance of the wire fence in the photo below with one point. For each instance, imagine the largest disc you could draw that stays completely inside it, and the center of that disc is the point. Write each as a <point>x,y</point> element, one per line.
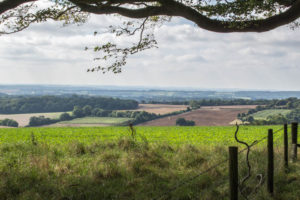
<point>187,181</point>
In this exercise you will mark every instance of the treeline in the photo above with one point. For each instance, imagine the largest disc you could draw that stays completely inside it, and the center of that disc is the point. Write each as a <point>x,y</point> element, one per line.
<point>40,104</point>
<point>292,104</point>
<point>225,102</point>
<point>212,102</point>
<point>87,111</point>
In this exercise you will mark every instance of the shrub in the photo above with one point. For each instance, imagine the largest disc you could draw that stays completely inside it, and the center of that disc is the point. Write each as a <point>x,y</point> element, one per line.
<point>184,122</point>
<point>9,122</point>
<point>41,120</point>
<point>65,117</point>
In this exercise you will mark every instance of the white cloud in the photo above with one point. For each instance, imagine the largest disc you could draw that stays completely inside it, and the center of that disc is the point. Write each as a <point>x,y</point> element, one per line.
<point>187,56</point>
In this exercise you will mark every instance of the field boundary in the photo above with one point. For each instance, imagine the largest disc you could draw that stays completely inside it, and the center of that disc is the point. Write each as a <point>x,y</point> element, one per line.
<point>237,187</point>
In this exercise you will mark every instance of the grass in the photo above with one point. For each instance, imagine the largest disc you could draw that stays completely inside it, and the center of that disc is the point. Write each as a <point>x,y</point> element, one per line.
<point>262,115</point>
<point>175,135</point>
<point>98,120</point>
<point>105,163</point>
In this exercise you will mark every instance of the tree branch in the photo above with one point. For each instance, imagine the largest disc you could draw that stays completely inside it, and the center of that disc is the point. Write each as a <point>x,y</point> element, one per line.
<point>174,8</point>
<point>9,4</point>
<point>262,25</point>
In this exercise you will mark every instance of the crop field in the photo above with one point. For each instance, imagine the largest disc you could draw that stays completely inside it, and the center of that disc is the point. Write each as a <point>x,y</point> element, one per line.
<point>262,115</point>
<point>160,108</point>
<point>208,136</point>
<point>23,119</point>
<point>108,163</point>
<point>205,116</point>
<point>96,121</point>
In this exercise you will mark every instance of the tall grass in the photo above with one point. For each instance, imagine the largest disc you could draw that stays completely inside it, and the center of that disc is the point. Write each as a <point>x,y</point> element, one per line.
<point>128,168</point>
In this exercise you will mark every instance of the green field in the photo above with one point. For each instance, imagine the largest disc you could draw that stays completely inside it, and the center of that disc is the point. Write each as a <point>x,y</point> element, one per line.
<point>262,115</point>
<point>98,120</point>
<point>107,163</point>
<point>208,136</point>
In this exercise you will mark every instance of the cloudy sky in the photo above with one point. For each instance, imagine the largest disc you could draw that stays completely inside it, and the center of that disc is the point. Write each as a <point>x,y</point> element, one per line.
<point>187,57</point>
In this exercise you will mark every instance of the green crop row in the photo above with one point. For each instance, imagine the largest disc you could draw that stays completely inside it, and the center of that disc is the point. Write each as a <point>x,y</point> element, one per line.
<point>170,135</point>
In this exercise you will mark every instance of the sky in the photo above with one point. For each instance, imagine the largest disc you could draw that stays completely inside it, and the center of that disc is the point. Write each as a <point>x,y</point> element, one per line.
<point>187,57</point>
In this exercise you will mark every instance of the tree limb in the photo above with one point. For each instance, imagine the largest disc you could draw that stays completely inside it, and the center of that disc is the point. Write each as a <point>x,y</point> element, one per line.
<point>11,4</point>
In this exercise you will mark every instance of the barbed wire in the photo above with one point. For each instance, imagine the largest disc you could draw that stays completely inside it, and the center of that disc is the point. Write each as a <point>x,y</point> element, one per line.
<point>184,182</point>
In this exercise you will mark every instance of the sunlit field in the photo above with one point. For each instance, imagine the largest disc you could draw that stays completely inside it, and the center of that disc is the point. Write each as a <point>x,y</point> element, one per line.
<point>148,163</point>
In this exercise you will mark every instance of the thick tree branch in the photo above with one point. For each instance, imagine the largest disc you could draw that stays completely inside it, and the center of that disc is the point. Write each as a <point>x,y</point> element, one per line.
<point>11,4</point>
<point>174,8</point>
<point>262,25</point>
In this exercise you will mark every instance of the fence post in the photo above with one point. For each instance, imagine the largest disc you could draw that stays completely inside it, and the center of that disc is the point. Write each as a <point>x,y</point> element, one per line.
<point>233,172</point>
<point>285,142</point>
<point>294,139</point>
<point>270,162</point>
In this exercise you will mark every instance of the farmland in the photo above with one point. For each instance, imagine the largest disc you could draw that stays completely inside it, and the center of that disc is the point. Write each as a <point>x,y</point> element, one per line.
<point>205,116</point>
<point>160,108</point>
<point>106,163</point>
<point>95,121</point>
<point>23,119</point>
<point>262,115</point>
<point>208,136</point>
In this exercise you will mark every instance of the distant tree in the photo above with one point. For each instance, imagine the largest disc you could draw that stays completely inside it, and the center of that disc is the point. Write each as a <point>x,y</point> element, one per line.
<point>95,111</point>
<point>195,104</point>
<point>78,112</point>
<point>9,122</point>
<point>41,120</point>
<point>250,119</point>
<point>184,122</point>
<point>87,110</point>
<point>65,117</point>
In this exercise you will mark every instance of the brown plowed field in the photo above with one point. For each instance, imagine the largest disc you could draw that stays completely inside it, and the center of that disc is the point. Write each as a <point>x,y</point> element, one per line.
<point>205,116</point>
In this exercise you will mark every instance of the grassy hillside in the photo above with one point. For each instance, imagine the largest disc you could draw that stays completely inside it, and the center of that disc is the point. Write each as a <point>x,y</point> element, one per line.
<point>262,115</point>
<point>105,163</point>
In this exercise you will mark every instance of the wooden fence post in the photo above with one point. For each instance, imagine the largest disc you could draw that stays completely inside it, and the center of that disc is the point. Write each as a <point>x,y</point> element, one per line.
<point>294,139</point>
<point>233,172</point>
<point>285,142</point>
<point>270,162</point>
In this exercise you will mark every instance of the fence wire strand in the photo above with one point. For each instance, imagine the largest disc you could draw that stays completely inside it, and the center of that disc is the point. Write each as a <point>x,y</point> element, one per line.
<point>184,182</point>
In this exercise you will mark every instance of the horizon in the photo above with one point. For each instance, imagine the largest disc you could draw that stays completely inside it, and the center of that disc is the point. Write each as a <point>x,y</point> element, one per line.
<point>145,87</point>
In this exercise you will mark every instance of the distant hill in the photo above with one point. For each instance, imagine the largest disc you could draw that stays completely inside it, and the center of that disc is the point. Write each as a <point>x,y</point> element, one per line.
<point>143,93</point>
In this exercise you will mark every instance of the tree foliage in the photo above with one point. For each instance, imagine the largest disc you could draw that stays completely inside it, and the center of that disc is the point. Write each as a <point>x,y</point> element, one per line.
<point>41,104</point>
<point>142,16</point>
<point>184,122</point>
<point>9,122</point>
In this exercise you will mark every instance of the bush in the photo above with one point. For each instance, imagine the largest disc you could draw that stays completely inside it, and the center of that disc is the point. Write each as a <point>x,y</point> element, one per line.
<point>65,117</point>
<point>184,122</point>
<point>41,120</point>
<point>9,122</point>
<point>78,112</point>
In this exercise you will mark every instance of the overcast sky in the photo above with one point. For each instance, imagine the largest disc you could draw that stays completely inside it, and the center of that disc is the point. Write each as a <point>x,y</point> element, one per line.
<point>187,57</point>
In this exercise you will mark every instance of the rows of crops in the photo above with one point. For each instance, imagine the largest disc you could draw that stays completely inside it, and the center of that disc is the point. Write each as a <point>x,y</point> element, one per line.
<point>170,135</point>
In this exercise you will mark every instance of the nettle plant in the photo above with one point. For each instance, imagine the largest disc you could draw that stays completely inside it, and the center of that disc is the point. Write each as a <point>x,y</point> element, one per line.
<point>141,17</point>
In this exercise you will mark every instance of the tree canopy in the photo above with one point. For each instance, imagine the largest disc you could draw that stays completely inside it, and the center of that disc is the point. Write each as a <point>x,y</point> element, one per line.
<point>141,16</point>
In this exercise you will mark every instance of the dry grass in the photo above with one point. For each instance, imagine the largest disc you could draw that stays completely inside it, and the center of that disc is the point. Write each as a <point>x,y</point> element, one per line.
<point>160,108</point>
